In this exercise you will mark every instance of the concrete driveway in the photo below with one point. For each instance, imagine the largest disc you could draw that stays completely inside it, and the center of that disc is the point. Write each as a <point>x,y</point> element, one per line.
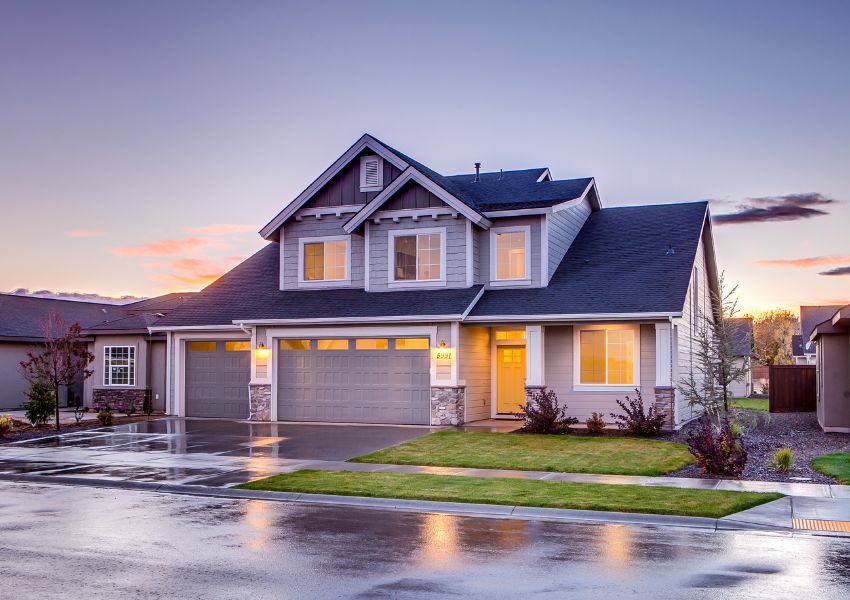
<point>196,451</point>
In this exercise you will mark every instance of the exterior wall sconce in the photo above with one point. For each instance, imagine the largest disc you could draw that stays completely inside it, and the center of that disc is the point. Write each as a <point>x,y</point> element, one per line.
<point>442,344</point>
<point>261,351</point>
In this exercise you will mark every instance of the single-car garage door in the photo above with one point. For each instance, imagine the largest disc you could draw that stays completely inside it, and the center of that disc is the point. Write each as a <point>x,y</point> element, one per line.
<point>217,376</point>
<point>376,380</point>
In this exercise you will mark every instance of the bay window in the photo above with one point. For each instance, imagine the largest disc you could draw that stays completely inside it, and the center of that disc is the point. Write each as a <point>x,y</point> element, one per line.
<point>417,256</point>
<point>607,355</point>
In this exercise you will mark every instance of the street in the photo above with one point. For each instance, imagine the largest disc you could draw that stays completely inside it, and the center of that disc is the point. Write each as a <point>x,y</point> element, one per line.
<point>80,542</point>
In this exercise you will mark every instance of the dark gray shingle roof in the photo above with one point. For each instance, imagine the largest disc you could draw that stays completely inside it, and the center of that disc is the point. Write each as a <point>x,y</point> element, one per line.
<point>20,315</point>
<point>619,263</point>
<point>811,316</point>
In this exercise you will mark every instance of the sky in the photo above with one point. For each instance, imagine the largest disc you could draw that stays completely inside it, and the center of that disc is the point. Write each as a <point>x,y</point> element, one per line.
<point>142,145</point>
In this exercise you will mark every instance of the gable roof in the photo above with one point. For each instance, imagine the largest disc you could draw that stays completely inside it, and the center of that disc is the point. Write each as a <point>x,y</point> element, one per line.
<point>249,292</point>
<point>619,264</point>
<point>20,316</point>
<point>812,316</point>
<point>742,336</point>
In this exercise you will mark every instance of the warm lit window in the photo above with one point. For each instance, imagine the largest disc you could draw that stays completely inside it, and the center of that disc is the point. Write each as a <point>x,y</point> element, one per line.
<point>119,365</point>
<point>607,356</point>
<point>325,260</point>
<point>371,344</point>
<point>294,344</point>
<point>511,254</point>
<point>333,345</point>
<point>201,346</point>
<point>237,346</point>
<point>417,257</point>
<point>411,344</point>
<point>517,334</point>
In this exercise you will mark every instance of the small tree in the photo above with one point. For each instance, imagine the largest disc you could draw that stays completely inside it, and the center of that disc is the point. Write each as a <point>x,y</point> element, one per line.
<point>715,368</point>
<point>62,358</point>
<point>772,333</point>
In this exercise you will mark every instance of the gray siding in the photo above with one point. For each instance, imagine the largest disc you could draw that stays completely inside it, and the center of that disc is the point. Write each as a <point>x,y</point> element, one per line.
<point>412,196</point>
<point>484,248</point>
<point>13,386</point>
<point>138,342</point>
<point>474,371</point>
<point>559,374</point>
<point>455,249</point>
<point>310,226</point>
<point>563,227</point>
<point>157,374</point>
<point>344,189</point>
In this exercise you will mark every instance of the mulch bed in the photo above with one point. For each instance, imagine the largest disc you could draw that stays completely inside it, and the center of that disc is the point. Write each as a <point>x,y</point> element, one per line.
<point>765,433</point>
<point>25,431</point>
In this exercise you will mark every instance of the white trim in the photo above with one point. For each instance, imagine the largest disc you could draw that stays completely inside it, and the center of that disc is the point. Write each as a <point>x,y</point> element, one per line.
<point>568,204</point>
<point>367,259</point>
<point>494,369</point>
<point>606,387</point>
<point>535,365</point>
<point>303,283</point>
<point>518,212</point>
<point>365,141</point>
<point>131,361</point>
<point>210,328</point>
<point>380,172</point>
<point>169,400</point>
<point>544,250</point>
<point>664,354</point>
<point>323,211</point>
<point>411,174</point>
<point>348,320</point>
<point>412,213</point>
<point>545,176</point>
<point>454,344</point>
<point>494,233</point>
<point>575,317</point>
<point>470,258</point>
<point>395,233</point>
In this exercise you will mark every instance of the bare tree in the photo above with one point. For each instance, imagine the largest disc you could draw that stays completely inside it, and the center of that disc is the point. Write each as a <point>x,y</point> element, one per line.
<point>62,358</point>
<point>772,332</point>
<point>715,364</point>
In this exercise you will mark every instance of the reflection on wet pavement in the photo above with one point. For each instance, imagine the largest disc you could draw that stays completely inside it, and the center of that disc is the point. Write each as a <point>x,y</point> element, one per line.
<point>139,544</point>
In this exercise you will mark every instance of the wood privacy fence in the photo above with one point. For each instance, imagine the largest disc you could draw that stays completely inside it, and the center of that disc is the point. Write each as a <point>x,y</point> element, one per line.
<point>793,388</point>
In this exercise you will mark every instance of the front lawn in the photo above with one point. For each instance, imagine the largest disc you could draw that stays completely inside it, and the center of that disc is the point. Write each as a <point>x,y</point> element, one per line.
<point>525,452</point>
<point>835,465</point>
<point>521,492</point>
<point>759,404</point>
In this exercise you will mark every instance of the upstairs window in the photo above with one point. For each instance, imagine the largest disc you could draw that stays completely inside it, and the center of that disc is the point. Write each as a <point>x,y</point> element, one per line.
<point>510,253</point>
<point>417,256</point>
<point>607,355</point>
<point>324,259</point>
<point>119,365</point>
<point>371,174</point>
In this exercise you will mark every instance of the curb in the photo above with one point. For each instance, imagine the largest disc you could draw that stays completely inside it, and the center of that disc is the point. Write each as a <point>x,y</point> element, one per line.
<point>493,511</point>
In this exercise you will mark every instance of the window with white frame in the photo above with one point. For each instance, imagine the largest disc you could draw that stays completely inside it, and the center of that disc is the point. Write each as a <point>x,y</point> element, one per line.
<point>371,174</point>
<point>510,253</point>
<point>324,259</point>
<point>119,365</point>
<point>606,355</point>
<point>417,256</point>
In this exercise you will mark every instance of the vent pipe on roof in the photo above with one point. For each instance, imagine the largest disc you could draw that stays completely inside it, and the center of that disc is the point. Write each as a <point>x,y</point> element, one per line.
<point>500,174</point>
<point>477,173</point>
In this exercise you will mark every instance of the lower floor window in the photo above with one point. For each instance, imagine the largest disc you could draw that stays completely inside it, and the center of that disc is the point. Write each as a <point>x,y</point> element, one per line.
<point>119,365</point>
<point>607,356</point>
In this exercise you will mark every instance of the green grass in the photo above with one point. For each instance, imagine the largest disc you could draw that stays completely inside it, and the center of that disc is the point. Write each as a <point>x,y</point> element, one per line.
<point>522,492</point>
<point>525,452</point>
<point>759,404</point>
<point>835,465</point>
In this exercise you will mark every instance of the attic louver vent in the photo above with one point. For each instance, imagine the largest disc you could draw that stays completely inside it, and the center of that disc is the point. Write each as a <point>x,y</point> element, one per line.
<point>371,174</point>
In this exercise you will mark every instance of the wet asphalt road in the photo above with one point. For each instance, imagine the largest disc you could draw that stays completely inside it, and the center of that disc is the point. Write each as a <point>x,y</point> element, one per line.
<point>78,542</point>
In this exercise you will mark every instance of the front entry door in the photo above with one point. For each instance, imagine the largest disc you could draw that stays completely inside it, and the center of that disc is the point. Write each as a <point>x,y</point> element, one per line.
<point>510,379</point>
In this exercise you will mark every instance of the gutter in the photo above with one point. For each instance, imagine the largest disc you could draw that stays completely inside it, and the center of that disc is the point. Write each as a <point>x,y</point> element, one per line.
<point>576,317</point>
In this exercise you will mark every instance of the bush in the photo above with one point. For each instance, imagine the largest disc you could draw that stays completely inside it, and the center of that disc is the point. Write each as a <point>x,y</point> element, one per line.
<point>147,405</point>
<point>636,420</point>
<point>6,425</point>
<point>542,414</point>
<point>41,404</point>
<point>718,450</point>
<point>783,459</point>
<point>595,424</point>
<point>104,415</point>
<point>127,409</point>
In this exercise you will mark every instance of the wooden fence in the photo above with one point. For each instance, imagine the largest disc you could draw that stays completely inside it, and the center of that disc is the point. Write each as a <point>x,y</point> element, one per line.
<point>793,388</point>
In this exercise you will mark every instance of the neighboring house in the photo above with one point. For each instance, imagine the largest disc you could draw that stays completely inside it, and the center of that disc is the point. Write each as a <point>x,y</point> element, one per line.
<point>811,316</point>
<point>20,331</point>
<point>742,348</point>
<point>802,352</point>
<point>832,339</point>
<point>388,293</point>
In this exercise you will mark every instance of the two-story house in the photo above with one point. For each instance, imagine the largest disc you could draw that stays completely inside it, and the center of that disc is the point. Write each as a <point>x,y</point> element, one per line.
<point>389,293</point>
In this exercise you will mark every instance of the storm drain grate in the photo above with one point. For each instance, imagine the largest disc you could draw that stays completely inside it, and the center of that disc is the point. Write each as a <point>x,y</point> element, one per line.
<point>821,525</point>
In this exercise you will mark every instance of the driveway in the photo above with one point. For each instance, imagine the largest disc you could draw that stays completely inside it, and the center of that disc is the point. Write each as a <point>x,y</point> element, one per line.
<point>196,451</point>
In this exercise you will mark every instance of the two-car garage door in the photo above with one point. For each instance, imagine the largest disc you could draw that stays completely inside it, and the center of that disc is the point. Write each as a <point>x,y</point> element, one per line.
<point>377,380</point>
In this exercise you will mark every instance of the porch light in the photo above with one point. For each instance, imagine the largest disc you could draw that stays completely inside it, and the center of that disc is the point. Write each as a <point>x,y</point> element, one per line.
<point>261,351</point>
<point>442,344</point>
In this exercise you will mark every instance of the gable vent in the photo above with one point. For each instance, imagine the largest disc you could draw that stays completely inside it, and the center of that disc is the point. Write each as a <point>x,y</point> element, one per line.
<point>371,174</point>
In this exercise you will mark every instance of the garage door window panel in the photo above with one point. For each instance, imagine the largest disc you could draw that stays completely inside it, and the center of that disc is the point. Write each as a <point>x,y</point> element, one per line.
<point>294,344</point>
<point>333,344</point>
<point>371,344</point>
<point>412,344</point>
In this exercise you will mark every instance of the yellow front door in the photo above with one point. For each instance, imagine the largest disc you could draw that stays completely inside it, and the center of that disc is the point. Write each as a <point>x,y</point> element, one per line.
<point>510,378</point>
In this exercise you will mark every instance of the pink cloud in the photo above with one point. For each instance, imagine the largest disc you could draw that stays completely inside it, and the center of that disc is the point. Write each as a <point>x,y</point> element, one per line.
<point>84,233</point>
<point>221,229</point>
<point>805,263</point>
<point>163,247</point>
<point>193,272</point>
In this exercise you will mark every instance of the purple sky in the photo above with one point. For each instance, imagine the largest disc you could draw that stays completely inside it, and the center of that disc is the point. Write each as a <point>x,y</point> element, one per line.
<point>142,145</point>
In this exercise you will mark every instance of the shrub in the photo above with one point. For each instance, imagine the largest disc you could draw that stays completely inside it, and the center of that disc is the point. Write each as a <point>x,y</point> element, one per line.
<point>127,409</point>
<point>104,415</point>
<point>79,411</point>
<point>147,405</point>
<point>41,404</point>
<point>542,414</point>
<point>638,421</point>
<point>595,424</point>
<point>718,450</point>
<point>6,425</point>
<point>783,459</point>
